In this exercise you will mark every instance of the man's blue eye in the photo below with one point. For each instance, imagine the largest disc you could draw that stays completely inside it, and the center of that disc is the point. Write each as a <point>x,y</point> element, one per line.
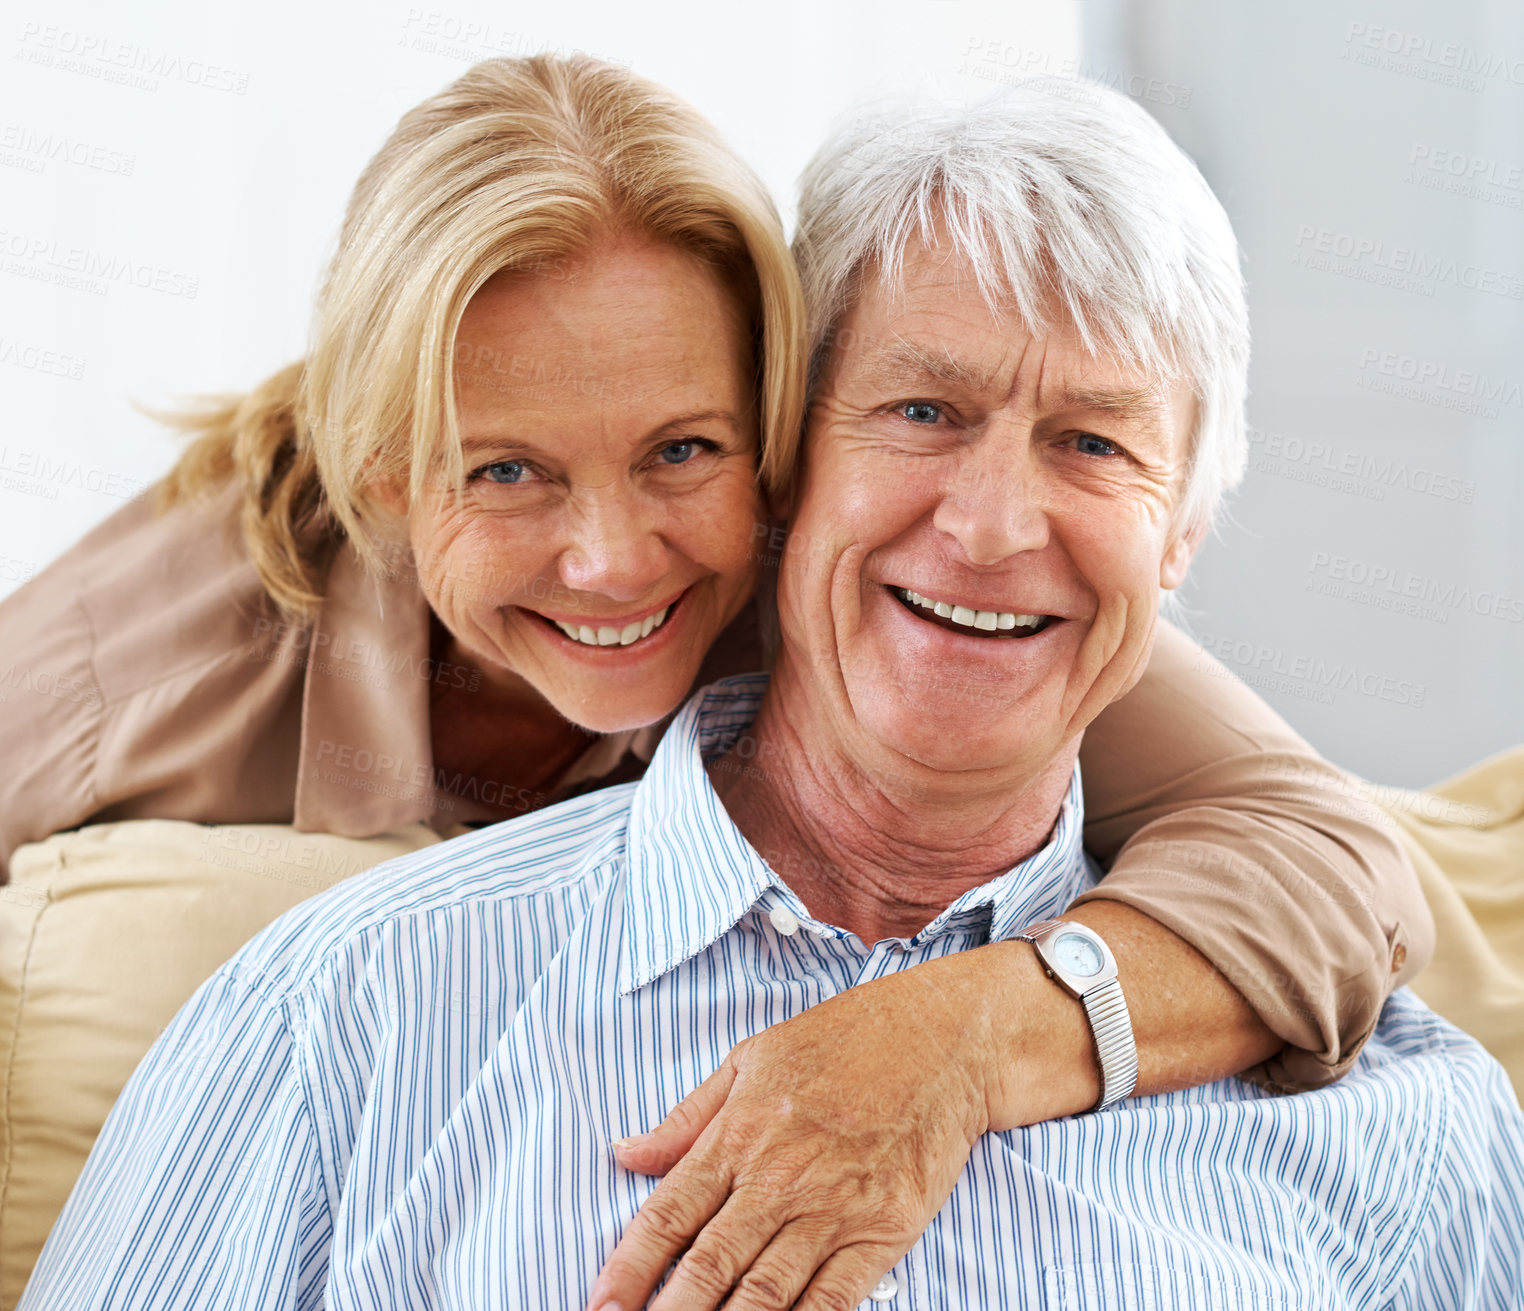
<point>679,452</point>
<point>504,471</point>
<point>1090,444</point>
<point>922,412</point>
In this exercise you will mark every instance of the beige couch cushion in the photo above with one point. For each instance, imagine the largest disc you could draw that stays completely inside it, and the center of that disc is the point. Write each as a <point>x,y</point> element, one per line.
<point>1466,838</point>
<point>105,933</point>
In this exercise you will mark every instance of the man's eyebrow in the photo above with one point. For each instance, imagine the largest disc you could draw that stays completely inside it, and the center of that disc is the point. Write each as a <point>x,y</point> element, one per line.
<point>902,363</point>
<point>1145,403</point>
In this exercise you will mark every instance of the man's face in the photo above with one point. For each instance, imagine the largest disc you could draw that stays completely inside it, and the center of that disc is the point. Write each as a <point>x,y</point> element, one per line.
<point>984,523</point>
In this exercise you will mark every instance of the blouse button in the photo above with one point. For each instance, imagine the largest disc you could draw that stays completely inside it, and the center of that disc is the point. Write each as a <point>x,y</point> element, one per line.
<point>1399,957</point>
<point>784,920</point>
<point>885,1289</point>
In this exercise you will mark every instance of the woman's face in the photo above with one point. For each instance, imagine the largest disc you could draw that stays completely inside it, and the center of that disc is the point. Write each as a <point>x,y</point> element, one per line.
<point>604,537</point>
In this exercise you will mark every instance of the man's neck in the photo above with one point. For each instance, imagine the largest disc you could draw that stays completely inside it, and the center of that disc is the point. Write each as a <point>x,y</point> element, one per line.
<point>874,850</point>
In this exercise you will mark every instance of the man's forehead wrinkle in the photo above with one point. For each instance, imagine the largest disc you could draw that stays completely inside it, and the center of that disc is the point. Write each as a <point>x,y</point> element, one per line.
<point>937,361</point>
<point>1023,366</point>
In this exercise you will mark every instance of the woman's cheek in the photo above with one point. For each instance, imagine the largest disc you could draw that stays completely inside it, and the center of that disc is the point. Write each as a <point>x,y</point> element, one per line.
<point>475,559</point>
<point>494,555</point>
<point>720,525</point>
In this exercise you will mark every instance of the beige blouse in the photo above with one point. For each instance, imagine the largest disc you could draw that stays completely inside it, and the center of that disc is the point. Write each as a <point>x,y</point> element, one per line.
<point>145,674</point>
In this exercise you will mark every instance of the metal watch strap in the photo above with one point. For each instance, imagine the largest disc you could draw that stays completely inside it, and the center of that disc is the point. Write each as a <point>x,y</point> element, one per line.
<point>1114,1044</point>
<point>1105,1008</point>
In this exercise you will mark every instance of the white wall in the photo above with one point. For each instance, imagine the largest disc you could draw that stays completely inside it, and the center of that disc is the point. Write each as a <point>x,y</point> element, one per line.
<point>208,149</point>
<point>1371,583</point>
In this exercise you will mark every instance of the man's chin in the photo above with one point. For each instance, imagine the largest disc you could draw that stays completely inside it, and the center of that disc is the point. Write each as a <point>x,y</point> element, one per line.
<point>948,739</point>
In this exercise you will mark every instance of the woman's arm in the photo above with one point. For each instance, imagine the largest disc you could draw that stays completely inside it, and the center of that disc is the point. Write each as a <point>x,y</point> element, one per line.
<point>50,711</point>
<point>143,676</point>
<point>1285,914</point>
<point>1221,824</point>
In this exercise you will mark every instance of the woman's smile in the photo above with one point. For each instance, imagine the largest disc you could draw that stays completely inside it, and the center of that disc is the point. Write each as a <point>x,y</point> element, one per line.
<point>618,632</point>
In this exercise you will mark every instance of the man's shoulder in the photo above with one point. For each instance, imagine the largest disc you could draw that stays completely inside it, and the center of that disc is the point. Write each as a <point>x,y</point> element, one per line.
<point>557,858</point>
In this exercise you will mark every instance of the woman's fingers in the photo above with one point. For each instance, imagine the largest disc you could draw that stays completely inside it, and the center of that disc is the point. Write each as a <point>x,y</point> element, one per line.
<point>799,1270</point>
<point>845,1126</point>
<point>662,1230</point>
<point>846,1279</point>
<point>776,1262</point>
<point>663,1147</point>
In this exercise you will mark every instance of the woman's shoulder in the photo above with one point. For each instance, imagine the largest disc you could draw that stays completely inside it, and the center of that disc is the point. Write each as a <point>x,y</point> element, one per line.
<point>150,592</point>
<point>141,669</point>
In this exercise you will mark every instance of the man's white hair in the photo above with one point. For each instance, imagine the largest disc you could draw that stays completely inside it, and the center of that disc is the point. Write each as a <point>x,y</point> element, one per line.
<point>1062,196</point>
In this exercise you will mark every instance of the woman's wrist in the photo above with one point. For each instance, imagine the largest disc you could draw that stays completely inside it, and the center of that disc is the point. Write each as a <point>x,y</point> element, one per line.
<point>1043,1060</point>
<point>1190,1024</point>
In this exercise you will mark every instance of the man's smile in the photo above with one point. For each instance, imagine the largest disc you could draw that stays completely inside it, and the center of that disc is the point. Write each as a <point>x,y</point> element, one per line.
<point>968,619</point>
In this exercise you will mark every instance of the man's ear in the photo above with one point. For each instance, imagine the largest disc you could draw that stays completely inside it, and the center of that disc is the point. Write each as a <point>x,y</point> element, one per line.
<point>1177,558</point>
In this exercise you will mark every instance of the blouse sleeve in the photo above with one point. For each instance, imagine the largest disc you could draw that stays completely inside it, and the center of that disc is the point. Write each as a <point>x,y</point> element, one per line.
<point>1214,818</point>
<point>50,715</point>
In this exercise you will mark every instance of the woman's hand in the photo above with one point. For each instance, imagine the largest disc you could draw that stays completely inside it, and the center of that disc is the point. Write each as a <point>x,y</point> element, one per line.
<point>814,1158</point>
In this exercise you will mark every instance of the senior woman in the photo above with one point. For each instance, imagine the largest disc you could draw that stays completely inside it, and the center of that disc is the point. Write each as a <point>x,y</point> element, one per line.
<point>511,497</point>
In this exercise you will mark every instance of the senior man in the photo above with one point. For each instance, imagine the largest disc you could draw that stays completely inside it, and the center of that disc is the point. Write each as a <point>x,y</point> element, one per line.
<point>1030,356</point>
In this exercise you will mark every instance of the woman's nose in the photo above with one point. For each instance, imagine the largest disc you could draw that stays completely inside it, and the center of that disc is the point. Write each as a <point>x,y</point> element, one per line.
<point>613,549</point>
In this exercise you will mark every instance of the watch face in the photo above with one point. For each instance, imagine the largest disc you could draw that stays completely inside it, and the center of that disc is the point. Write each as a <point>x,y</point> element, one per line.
<point>1077,954</point>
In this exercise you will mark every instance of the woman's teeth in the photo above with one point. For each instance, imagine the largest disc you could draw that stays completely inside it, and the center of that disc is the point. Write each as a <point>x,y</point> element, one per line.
<point>989,621</point>
<point>605,636</point>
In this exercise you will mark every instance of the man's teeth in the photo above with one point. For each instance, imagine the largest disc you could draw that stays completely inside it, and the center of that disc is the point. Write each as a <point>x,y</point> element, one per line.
<point>989,621</point>
<point>631,632</point>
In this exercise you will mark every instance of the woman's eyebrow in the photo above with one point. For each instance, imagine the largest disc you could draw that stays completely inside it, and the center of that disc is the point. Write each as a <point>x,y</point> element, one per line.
<point>488,440</point>
<point>496,444</point>
<point>680,421</point>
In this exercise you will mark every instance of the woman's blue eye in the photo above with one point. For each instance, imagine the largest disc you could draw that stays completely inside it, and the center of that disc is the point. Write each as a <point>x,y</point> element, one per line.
<point>679,452</point>
<point>504,471</point>
<point>1090,444</point>
<point>922,412</point>
<point>682,452</point>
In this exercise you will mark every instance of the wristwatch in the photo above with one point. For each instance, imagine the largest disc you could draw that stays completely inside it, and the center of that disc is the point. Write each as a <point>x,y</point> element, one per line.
<point>1081,962</point>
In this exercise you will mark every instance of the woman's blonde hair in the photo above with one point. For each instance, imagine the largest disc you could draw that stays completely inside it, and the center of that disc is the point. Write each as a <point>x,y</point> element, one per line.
<point>518,165</point>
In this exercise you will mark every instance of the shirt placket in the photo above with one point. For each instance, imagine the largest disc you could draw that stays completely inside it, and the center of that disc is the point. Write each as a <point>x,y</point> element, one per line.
<point>907,1285</point>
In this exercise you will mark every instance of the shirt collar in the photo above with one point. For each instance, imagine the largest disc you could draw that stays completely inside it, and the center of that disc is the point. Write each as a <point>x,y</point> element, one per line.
<point>692,876</point>
<point>691,873</point>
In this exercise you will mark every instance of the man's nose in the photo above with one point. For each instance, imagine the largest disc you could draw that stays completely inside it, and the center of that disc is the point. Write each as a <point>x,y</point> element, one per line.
<point>613,547</point>
<point>993,503</point>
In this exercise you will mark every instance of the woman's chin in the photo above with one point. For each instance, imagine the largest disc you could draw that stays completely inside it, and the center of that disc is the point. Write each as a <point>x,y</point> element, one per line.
<point>604,710</point>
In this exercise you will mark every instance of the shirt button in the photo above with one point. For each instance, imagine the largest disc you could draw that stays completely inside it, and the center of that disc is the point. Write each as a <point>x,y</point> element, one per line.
<point>885,1289</point>
<point>1399,958</point>
<point>784,920</point>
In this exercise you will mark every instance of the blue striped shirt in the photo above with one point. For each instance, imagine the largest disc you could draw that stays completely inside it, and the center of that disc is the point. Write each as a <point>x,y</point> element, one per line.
<point>402,1094</point>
